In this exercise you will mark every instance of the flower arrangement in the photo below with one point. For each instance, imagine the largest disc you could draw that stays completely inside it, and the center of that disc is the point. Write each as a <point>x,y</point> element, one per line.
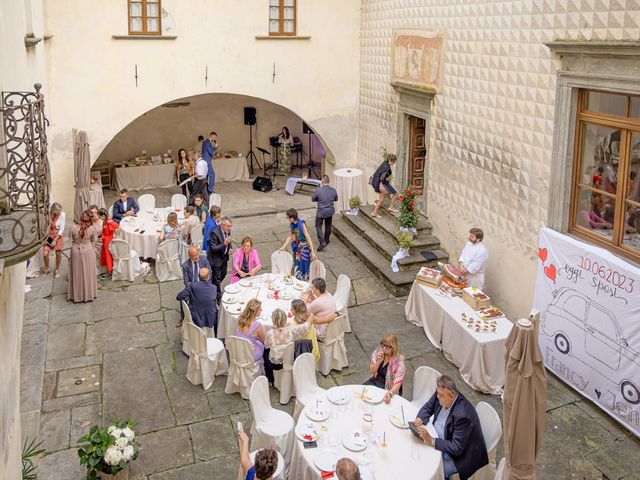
<point>109,450</point>
<point>405,240</point>
<point>355,202</point>
<point>409,214</point>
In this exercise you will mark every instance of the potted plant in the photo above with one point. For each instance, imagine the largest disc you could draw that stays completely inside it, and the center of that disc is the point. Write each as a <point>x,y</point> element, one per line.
<point>354,205</point>
<point>405,241</point>
<point>109,451</point>
<point>409,215</point>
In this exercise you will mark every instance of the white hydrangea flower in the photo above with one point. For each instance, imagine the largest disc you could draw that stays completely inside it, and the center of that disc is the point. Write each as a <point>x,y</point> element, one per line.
<point>111,429</point>
<point>121,443</point>
<point>113,456</point>
<point>127,453</point>
<point>127,432</point>
<point>116,432</point>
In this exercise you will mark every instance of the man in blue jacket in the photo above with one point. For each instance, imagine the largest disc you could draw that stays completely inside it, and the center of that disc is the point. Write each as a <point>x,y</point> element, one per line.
<point>201,296</point>
<point>458,427</point>
<point>125,207</point>
<point>209,149</point>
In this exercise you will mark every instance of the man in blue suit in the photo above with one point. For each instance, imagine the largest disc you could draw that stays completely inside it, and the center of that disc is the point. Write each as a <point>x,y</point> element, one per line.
<point>191,271</point>
<point>125,207</point>
<point>458,427</point>
<point>201,296</point>
<point>209,149</point>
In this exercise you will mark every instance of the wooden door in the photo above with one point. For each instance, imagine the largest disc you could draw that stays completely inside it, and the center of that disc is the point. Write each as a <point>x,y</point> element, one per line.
<point>417,153</point>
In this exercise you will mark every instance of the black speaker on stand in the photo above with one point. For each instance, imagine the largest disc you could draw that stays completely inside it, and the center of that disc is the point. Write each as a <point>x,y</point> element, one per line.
<point>250,119</point>
<point>311,164</point>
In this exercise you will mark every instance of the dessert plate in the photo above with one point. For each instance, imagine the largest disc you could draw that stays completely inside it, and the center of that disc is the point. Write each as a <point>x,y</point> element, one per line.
<point>355,441</point>
<point>338,395</point>
<point>307,431</point>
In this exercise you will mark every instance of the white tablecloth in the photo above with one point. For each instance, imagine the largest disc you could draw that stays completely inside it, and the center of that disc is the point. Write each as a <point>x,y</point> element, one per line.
<point>292,182</point>
<point>257,287</point>
<point>478,355</point>
<point>146,244</point>
<point>349,182</point>
<point>404,458</point>
<point>144,178</point>
<point>231,169</point>
<point>96,197</point>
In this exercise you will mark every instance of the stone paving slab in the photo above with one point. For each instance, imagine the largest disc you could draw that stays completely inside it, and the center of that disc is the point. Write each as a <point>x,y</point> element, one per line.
<point>118,334</point>
<point>219,468</point>
<point>34,340</point>
<point>213,438</point>
<point>618,460</point>
<point>76,362</point>
<point>31,378</point>
<point>69,402</point>
<point>163,450</point>
<point>65,341</point>
<point>36,311</point>
<point>78,381</point>
<point>82,419</point>
<point>62,465</point>
<point>54,430</point>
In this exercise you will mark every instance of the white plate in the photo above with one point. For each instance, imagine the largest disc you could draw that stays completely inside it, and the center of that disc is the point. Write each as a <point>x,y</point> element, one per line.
<point>326,460</point>
<point>246,283</point>
<point>307,428</point>
<point>355,441</point>
<point>229,300</point>
<point>339,395</point>
<point>235,309</point>
<point>286,296</point>
<point>298,286</point>
<point>319,414</point>
<point>396,420</point>
<point>372,395</point>
<point>232,289</point>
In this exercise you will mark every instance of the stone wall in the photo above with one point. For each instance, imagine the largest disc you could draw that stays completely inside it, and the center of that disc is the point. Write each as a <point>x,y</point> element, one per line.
<point>493,120</point>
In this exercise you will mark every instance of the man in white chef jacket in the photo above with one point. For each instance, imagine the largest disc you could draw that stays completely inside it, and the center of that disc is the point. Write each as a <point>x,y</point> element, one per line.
<point>473,259</point>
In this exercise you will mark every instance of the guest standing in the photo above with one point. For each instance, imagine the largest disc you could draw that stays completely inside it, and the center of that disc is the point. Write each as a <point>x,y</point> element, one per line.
<point>55,240</point>
<point>199,179</point>
<point>246,262</point>
<point>387,367</point>
<point>209,149</point>
<point>190,221</point>
<point>125,207</point>
<point>95,218</point>
<point>191,272</point>
<point>83,284</point>
<point>201,296</point>
<point>210,223</point>
<point>250,328</point>
<point>110,229</point>
<point>382,186</point>
<point>171,229</point>
<point>286,142</point>
<point>325,196</point>
<point>218,252</point>
<point>301,245</point>
<point>184,170</point>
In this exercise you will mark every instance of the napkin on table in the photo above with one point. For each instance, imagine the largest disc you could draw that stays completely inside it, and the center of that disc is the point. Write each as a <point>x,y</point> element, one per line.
<point>326,474</point>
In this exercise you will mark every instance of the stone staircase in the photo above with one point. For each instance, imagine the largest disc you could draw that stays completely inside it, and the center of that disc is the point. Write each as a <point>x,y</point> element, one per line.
<point>373,240</point>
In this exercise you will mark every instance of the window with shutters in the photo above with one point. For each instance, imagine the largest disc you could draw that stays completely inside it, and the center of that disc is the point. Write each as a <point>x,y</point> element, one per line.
<point>282,17</point>
<point>144,17</point>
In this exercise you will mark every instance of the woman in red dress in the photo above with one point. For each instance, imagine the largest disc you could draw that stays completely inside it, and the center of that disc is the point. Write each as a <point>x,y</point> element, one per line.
<point>110,229</point>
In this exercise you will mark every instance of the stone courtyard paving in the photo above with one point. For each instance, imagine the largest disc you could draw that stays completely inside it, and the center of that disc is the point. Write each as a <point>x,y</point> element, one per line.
<point>120,357</point>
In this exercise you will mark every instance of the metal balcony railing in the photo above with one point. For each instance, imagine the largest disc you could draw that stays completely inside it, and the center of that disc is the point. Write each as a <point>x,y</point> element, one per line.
<point>24,175</point>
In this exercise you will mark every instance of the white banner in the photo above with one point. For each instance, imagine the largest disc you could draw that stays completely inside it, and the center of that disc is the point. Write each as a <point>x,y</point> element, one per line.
<point>590,324</point>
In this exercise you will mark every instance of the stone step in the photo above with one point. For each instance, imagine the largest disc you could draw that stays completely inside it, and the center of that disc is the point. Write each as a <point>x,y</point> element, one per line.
<point>398,283</point>
<point>387,223</point>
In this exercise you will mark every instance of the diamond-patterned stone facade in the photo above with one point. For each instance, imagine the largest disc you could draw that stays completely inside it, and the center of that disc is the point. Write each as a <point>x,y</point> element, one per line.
<point>492,123</point>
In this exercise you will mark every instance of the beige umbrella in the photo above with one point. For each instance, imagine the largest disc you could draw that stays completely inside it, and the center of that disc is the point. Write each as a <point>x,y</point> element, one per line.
<point>82,169</point>
<point>525,401</point>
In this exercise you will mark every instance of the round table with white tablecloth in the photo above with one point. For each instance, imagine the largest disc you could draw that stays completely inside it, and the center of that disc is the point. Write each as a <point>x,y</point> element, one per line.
<point>349,182</point>
<point>262,287</point>
<point>386,452</point>
<point>142,231</point>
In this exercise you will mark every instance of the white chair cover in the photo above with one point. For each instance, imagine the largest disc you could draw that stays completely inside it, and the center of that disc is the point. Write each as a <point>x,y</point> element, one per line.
<point>500,471</point>
<point>270,427</point>
<point>343,289</point>
<point>126,264</point>
<point>304,379</point>
<point>281,263</point>
<point>283,379</point>
<point>207,358</point>
<point>317,270</point>
<point>333,353</point>
<point>492,432</point>
<point>242,368</point>
<point>187,319</point>
<point>147,202</point>
<point>111,211</point>
<point>197,236</point>
<point>168,261</point>
<point>215,199</point>
<point>183,251</point>
<point>178,201</point>
<point>424,385</point>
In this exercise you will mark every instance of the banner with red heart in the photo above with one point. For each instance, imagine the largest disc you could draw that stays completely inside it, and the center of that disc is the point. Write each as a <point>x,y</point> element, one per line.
<point>550,272</point>
<point>542,254</point>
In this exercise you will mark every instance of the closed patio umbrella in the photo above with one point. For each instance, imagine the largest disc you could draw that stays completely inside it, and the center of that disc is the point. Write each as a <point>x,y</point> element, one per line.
<point>525,400</point>
<point>82,169</point>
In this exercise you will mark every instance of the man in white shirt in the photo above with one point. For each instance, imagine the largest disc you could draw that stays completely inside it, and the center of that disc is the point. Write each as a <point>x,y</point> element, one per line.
<point>473,259</point>
<point>190,221</point>
<point>199,179</point>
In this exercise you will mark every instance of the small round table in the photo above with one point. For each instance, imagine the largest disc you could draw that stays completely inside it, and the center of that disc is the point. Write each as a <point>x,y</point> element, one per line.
<point>349,182</point>
<point>146,244</point>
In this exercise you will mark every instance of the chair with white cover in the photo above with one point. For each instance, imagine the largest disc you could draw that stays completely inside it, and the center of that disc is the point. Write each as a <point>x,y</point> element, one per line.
<point>197,236</point>
<point>424,385</point>
<point>281,262</point>
<point>147,202</point>
<point>304,379</point>
<point>178,201</point>
<point>111,211</point>
<point>242,369</point>
<point>168,261</point>
<point>343,289</point>
<point>283,378</point>
<point>333,353</point>
<point>501,467</point>
<point>187,319</point>
<point>271,427</point>
<point>492,432</point>
<point>207,358</point>
<point>215,199</point>
<point>126,264</point>
<point>317,270</point>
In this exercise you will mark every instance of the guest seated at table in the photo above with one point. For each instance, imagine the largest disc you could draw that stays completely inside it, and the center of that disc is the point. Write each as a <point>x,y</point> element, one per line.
<point>246,262</point>
<point>276,340</point>
<point>588,218</point>
<point>347,469</point>
<point>250,328</point>
<point>321,303</point>
<point>125,207</point>
<point>212,221</point>
<point>305,322</point>
<point>387,367</point>
<point>201,296</point>
<point>201,208</point>
<point>266,461</point>
<point>459,432</point>
<point>190,221</point>
<point>110,229</point>
<point>171,229</point>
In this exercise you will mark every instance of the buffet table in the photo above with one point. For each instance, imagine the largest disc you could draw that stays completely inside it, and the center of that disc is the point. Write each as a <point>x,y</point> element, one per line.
<point>378,446</point>
<point>144,178</point>
<point>349,182</point>
<point>478,355</point>
<point>231,169</point>
<point>143,230</point>
<point>261,287</point>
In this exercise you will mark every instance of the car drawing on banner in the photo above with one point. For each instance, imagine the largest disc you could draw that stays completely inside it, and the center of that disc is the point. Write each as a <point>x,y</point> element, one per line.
<point>585,330</point>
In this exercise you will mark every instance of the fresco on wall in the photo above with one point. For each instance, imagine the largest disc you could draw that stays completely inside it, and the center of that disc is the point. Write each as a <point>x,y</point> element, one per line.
<point>418,58</point>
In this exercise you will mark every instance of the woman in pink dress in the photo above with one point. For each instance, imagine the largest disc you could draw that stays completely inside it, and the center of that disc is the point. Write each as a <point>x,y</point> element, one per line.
<point>246,262</point>
<point>55,241</point>
<point>83,284</point>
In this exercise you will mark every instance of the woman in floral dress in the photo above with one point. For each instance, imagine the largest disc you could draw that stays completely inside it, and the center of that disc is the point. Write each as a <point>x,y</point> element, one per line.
<point>301,245</point>
<point>286,142</point>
